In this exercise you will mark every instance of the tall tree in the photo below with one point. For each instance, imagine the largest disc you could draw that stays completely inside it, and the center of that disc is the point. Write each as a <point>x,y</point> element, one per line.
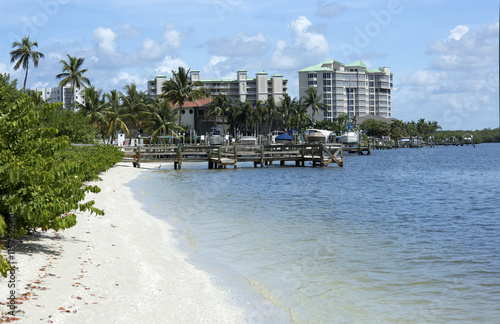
<point>115,116</point>
<point>285,109</point>
<point>314,100</point>
<point>219,107</point>
<point>133,102</point>
<point>72,73</point>
<point>180,89</point>
<point>161,119</point>
<point>272,111</point>
<point>94,109</point>
<point>23,52</point>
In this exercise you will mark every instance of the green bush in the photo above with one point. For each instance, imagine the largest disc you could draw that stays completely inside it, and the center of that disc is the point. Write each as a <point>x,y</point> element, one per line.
<point>41,175</point>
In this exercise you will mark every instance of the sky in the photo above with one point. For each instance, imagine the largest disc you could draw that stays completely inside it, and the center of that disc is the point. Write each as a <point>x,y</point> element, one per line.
<point>444,54</point>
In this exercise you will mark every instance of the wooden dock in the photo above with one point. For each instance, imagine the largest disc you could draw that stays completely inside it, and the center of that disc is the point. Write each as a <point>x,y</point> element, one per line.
<point>219,157</point>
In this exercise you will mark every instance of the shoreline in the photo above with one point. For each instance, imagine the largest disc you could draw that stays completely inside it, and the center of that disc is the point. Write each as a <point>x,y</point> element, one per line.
<point>109,267</point>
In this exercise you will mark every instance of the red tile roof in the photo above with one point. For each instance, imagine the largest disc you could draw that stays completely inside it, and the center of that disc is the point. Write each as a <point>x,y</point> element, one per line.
<point>197,103</point>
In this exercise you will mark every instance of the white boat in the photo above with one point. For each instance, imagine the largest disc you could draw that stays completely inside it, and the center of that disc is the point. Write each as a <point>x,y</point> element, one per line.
<point>248,140</point>
<point>317,135</point>
<point>216,136</point>
<point>350,137</point>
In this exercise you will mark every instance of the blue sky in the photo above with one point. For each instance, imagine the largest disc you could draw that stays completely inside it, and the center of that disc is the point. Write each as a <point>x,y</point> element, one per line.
<point>444,53</point>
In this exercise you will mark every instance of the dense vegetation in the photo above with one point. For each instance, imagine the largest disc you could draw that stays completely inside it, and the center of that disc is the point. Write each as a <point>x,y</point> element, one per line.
<point>41,175</point>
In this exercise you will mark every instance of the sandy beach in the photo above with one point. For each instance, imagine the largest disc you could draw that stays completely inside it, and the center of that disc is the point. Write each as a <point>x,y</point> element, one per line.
<point>123,267</point>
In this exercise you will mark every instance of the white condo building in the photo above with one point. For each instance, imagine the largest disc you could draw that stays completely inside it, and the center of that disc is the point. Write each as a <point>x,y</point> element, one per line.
<point>240,89</point>
<point>369,90</point>
<point>59,94</point>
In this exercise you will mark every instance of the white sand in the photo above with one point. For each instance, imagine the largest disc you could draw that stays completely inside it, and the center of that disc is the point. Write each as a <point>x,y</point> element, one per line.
<point>119,268</point>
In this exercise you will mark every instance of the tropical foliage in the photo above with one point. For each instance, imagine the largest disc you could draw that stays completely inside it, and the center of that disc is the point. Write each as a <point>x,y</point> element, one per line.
<point>180,89</point>
<point>72,73</point>
<point>23,53</point>
<point>41,175</point>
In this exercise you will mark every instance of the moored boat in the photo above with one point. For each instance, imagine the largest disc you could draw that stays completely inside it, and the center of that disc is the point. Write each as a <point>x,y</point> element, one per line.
<point>317,135</point>
<point>216,136</point>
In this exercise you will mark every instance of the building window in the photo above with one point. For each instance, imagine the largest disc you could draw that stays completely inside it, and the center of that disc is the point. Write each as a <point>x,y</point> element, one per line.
<point>327,75</point>
<point>312,75</point>
<point>327,89</point>
<point>312,82</point>
<point>327,82</point>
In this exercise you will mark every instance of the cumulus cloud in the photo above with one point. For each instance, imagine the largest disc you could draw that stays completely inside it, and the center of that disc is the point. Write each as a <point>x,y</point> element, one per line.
<point>172,37</point>
<point>306,46</point>
<point>238,45</point>
<point>463,49</point>
<point>105,39</point>
<point>126,78</point>
<point>128,30</point>
<point>152,49</point>
<point>460,83</point>
<point>168,64</point>
<point>329,9</point>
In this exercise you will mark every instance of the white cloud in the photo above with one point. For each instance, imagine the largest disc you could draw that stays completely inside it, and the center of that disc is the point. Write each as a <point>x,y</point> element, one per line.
<point>106,39</point>
<point>126,78</point>
<point>152,49</point>
<point>129,30</point>
<point>465,50</point>
<point>457,32</point>
<point>169,64</point>
<point>423,78</point>
<point>238,45</point>
<point>3,68</point>
<point>172,37</point>
<point>330,9</point>
<point>306,47</point>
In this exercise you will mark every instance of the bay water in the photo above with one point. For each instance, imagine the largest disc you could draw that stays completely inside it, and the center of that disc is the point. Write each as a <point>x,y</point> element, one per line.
<point>399,236</point>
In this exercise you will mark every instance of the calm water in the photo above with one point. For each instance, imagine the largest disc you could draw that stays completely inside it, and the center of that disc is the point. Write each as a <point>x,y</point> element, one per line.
<point>400,236</point>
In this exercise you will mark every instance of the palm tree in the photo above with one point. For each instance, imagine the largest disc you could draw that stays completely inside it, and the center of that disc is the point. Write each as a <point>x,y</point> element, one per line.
<point>133,102</point>
<point>300,115</point>
<point>94,109</point>
<point>233,118</point>
<point>23,52</point>
<point>161,119</point>
<point>246,113</point>
<point>73,74</point>
<point>36,97</point>
<point>180,89</point>
<point>285,110</point>
<point>272,111</point>
<point>219,107</point>
<point>260,114</point>
<point>313,100</point>
<point>114,114</point>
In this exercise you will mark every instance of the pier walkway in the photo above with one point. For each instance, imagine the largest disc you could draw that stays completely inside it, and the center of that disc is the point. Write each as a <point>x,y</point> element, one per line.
<point>219,157</point>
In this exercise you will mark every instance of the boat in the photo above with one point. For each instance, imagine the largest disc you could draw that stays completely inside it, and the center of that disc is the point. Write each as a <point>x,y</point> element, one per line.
<point>317,135</point>
<point>349,137</point>
<point>283,138</point>
<point>216,136</point>
<point>248,140</point>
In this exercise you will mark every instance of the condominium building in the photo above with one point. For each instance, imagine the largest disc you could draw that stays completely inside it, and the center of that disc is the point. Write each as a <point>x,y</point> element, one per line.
<point>369,90</point>
<point>60,94</point>
<point>241,89</point>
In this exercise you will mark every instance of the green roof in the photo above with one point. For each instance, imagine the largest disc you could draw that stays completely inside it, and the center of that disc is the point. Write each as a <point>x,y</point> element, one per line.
<point>277,75</point>
<point>315,68</point>
<point>161,76</point>
<point>374,71</point>
<point>262,73</point>
<point>357,63</point>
